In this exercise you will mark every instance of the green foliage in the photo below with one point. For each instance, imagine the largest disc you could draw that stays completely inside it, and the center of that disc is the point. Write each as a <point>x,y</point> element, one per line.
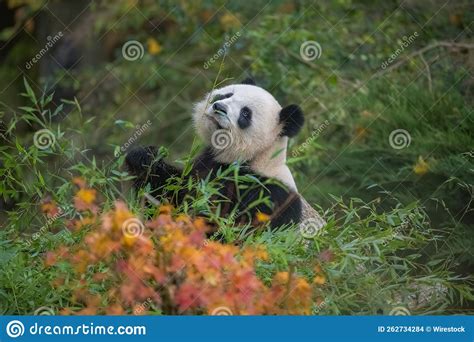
<point>372,260</point>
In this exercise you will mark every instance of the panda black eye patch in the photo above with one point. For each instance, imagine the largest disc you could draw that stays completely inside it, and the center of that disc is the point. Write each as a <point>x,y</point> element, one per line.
<point>245,118</point>
<point>219,97</point>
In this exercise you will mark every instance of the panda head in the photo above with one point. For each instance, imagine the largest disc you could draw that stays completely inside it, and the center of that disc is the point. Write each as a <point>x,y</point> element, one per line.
<point>240,122</point>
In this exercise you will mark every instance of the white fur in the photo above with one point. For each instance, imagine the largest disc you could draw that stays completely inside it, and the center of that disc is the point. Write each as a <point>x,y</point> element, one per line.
<point>260,144</point>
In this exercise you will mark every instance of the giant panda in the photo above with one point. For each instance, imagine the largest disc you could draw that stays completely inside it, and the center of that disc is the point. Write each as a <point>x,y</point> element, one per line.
<point>242,126</point>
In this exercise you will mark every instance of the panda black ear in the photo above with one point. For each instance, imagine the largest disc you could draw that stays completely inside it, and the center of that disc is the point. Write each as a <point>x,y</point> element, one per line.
<point>249,81</point>
<point>292,119</point>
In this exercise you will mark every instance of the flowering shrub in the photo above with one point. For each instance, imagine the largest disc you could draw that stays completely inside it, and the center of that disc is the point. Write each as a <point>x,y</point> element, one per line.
<point>126,265</point>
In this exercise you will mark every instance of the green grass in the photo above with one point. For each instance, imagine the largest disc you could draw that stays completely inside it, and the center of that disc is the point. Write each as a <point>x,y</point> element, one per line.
<point>373,259</point>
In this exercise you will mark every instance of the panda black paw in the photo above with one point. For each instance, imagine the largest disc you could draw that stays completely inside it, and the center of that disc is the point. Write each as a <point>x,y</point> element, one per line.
<point>148,167</point>
<point>140,159</point>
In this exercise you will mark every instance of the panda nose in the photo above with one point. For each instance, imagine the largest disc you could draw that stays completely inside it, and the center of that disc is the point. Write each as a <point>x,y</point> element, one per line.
<point>219,108</point>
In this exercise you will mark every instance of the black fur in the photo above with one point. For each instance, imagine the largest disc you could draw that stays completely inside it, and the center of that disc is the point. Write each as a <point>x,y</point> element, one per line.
<point>293,119</point>
<point>219,97</point>
<point>143,163</point>
<point>245,118</point>
<point>283,208</point>
<point>249,81</point>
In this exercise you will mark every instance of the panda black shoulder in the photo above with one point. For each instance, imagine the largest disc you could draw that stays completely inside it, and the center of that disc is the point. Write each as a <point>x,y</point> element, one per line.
<point>286,204</point>
<point>206,163</point>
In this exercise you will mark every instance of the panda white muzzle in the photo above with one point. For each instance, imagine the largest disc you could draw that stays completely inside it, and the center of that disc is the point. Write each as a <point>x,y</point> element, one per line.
<point>219,116</point>
<point>219,109</point>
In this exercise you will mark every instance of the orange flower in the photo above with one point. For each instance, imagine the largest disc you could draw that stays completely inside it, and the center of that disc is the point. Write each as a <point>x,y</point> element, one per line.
<point>129,240</point>
<point>154,47</point>
<point>261,217</point>
<point>319,279</point>
<point>166,209</point>
<point>114,310</point>
<point>80,182</point>
<point>50,208</point>
<point>282,277</point>
<point>255,253</point>
<point>168,264</point>
<point>84,200</point>
<point>50,259</point>
<point>86,195</point>
<point>78,224</point>
<point>421,167</point>
<point>229,20</point>
<point>360,133</point>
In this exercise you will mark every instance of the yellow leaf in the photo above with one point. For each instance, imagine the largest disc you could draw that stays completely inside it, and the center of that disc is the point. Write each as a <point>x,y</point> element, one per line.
<point>421,167</point>
<point>360,132</point>
<point>319,279</point>
<point>282,277</point>
<point>154,47</point>
<point>87,195</point>
<point>261,217</point>
<point>129,240</point>
<point>367,114</point>
<point>229,20</point>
